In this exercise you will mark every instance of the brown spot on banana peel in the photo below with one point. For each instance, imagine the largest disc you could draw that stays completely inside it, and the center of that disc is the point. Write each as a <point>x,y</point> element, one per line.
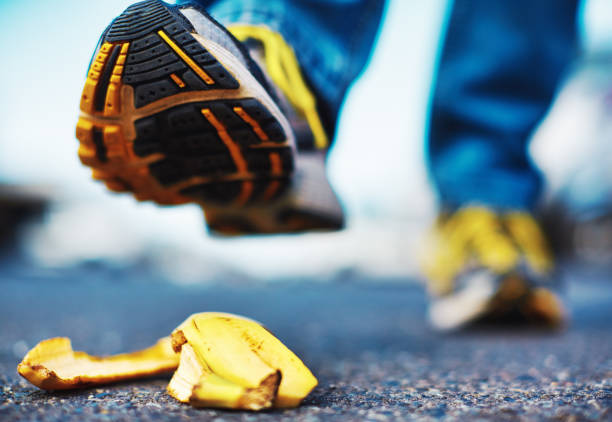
<point>53,365</point>
<point>178,339</point>
<point>214,391</point>
<point>261,397</point>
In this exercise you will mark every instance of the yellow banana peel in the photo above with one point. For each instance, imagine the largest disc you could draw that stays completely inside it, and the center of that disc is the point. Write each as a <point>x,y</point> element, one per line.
<point>244,353</point>
<point>53,365</point>
<point>221,360</point>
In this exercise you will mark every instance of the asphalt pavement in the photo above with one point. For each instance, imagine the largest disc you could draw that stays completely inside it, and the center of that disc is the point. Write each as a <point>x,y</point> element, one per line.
<point>367,341</point>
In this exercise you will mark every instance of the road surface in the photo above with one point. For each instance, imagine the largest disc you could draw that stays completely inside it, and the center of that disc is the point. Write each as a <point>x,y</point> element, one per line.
<point>366,340</point>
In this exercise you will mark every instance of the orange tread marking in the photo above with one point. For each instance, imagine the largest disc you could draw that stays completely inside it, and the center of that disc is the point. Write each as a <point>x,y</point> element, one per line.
<point>177,80</point>
<point>197,69</point>
<point>113,140</point>
<point>87,155</point>
<point>124,171</point>
<point>98,174</point>
<point>234,150</point>
<point>112,105</point>
<point>87,152</point>
<point>277,170</point>
<point>251,122</point>
<point>116,185</point>
<point>120,173</point>
<point>83,131</point>
<point>276,164</point>
<point>271,190</point>
<point>93,76</point>
<point>245,193</point>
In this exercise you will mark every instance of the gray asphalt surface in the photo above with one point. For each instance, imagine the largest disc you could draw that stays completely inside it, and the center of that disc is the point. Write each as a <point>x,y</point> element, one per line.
<point>366,340</point>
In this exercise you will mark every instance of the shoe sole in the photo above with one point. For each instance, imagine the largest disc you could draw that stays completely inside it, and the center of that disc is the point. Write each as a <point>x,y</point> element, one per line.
<point>175,118</point>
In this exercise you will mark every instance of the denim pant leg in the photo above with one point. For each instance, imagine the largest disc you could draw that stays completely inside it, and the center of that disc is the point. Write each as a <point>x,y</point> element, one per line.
<point>332,39</point>
<point>500,67</point>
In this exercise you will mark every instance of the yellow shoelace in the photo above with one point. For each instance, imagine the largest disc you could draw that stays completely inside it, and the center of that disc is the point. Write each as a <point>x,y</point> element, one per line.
<point>283,68</point>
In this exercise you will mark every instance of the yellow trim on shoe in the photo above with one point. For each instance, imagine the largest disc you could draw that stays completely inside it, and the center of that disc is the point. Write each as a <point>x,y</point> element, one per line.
<point>471,233</point>
<point>185,57</point>
<point>477,236</point>
<point>283,68</point>
<point>528,235</point>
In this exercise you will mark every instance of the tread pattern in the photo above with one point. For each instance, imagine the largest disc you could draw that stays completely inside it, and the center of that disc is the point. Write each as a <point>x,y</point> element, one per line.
<point>156,63</point>
<point>139,20</point>
<point>224,151</point>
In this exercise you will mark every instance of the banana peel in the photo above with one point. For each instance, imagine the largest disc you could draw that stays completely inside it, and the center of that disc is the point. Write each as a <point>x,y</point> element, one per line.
<point>53,365</point>
<point>244,354</point>
<point>196,384</point>
<point>221,360</point>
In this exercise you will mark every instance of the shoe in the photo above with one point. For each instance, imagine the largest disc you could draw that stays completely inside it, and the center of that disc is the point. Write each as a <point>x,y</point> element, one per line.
<point>487,267</point>
<point>176,111</point>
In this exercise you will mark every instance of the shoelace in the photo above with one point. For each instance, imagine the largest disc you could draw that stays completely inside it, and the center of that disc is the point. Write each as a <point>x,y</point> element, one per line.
<point>284,70</point>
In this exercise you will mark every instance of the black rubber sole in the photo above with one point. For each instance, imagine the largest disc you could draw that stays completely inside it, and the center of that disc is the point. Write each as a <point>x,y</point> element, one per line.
<point>228,149</point>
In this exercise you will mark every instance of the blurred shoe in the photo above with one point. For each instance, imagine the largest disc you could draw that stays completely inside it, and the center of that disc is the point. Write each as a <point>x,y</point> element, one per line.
<point>484,266</point>
<point>176,111</point>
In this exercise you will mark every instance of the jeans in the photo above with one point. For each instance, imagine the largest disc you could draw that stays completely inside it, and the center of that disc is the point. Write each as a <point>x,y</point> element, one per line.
<point>500,66</point>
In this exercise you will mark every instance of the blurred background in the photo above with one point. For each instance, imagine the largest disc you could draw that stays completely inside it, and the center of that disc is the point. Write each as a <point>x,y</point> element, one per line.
<point>71,220</point>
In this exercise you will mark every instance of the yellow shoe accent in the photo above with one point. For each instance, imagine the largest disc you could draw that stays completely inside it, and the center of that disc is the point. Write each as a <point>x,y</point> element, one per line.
<point>178,81</point>
<point>251,122</point>
<point>483,264</point>
<point>118,176</point>
<point>112,106</point>
<point>192,64</point>
<point>529,237</point>
<point>284,70</point>
<point>93,77</point>
<point>471,237</point>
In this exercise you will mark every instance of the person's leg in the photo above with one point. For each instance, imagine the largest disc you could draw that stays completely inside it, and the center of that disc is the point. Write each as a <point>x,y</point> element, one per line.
<point>332,39</point>
<point>500,67</point>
